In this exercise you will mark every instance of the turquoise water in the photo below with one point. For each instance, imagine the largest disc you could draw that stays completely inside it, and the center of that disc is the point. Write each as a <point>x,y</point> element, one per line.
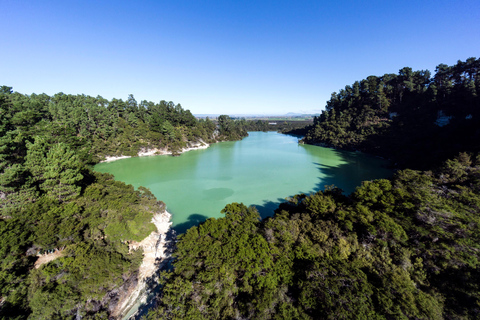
<point>261,170</point>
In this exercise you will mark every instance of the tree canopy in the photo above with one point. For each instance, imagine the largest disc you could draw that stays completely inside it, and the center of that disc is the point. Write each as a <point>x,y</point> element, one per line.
<point>411,117</point>
<point>401,248</point>
<point>51,201</point>
<point>405,248</point>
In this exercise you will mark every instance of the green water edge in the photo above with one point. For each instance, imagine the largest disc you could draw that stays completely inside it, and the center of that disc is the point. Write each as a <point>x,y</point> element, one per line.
<point>261,170</point>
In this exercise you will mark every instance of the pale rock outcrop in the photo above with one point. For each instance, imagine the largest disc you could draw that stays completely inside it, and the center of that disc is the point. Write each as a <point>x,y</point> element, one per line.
<point>160,151</point>
<point>156,253</point>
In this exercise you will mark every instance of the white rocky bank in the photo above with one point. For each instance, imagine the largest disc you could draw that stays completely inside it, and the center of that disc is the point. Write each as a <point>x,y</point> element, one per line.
<point>155,253</point>
<point>156,151</point>
<point>155,249</point>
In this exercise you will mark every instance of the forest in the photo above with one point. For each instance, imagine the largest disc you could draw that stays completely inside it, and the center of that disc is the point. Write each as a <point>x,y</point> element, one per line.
<point>51,200</point>
<point>405,248</point>
<point>401,248</point>
<point>412,118</point>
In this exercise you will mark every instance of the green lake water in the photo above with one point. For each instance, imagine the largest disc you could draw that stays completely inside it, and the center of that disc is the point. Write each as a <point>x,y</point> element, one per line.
<point>261,170</point>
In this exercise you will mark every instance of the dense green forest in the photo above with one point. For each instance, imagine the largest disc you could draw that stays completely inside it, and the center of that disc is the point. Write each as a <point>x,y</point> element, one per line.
<point>51,201</point>
<point>405,248</point>
<point>411,117</point>
<point>94,127</point>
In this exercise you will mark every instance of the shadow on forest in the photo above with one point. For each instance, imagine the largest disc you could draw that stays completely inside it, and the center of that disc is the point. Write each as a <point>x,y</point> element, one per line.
<point>193,220</point>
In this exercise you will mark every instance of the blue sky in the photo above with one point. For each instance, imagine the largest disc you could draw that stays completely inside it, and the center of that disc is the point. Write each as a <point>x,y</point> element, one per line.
<point>233,57</point>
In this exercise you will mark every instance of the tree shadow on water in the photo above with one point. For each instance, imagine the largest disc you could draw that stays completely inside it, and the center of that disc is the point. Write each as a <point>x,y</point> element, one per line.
<point>267,209</point>
<point>352,169</point>
<point>348,174</point>
<point>332,175</point>
<point>342,176</point>
<point>193,220</point>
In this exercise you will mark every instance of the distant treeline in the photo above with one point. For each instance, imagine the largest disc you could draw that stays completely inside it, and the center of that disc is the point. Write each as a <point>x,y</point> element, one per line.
<point>411,117</point>
<point>284,126</point>
<point>51,201</point>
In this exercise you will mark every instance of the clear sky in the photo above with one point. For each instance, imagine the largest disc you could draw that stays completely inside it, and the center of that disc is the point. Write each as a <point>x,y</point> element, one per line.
<point>233,57</point>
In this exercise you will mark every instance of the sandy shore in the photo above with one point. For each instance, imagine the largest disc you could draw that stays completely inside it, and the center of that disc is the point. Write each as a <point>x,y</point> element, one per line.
<point>155,151</point>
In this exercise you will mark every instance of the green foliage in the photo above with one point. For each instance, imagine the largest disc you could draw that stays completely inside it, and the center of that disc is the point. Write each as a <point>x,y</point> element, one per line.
<point>230,129</point>
<point>226,264</point>
<point>405,248</point>
<point>93,229</point>
<point>54,302</point>
<point>55,170</point>
<point>412,118</point>
<point>51,201</point>
<point>95,127</point>
<point>15,237</point>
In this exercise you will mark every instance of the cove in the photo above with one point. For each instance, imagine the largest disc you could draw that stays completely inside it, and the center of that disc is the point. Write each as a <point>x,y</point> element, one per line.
<point>261,170</point>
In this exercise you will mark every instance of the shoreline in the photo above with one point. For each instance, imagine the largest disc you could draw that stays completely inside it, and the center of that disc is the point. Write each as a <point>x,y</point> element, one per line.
<point>156,152</point>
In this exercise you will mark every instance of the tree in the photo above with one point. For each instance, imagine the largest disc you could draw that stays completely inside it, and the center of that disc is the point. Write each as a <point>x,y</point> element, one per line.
<point>168,130</point>
<point>6,90</point>
<point>56,171</point>
<point>62,173</point>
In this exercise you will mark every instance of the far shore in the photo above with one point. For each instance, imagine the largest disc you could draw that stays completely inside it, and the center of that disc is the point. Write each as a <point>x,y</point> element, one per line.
<point>156,152</point>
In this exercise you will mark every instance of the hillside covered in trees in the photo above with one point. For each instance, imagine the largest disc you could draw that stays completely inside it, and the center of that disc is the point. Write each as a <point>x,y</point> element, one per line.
<point>51,202</point>
<point>403,248</point>
<point>411,117</point>
<point>406,248</point>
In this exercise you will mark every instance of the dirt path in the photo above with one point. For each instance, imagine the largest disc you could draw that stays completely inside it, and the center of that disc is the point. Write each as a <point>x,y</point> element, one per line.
<point>46,258</point>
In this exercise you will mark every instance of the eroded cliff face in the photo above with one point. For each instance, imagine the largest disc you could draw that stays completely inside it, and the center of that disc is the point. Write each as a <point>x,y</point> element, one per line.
<point>157,249</point>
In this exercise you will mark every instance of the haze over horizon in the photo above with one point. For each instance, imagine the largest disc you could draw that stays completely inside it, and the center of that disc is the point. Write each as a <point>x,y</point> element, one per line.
<point>227,57</point>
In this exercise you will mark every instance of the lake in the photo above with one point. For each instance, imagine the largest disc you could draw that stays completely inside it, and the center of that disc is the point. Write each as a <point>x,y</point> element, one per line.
<point>261,170</point>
